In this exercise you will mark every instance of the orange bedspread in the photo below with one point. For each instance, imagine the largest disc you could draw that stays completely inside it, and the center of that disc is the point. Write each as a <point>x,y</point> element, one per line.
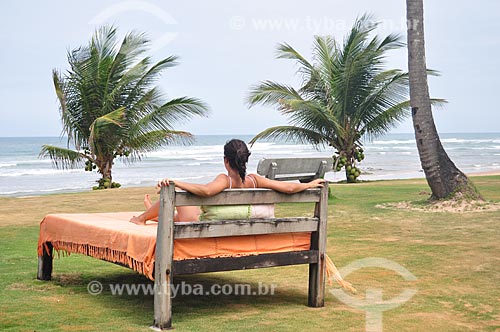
<point>111,237</point>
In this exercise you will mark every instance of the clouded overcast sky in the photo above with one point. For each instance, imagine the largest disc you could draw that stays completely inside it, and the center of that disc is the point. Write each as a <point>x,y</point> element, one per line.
<point>227,46</point>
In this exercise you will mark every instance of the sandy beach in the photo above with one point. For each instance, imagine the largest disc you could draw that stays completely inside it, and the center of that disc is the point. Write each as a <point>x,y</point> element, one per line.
<point>485,173</point>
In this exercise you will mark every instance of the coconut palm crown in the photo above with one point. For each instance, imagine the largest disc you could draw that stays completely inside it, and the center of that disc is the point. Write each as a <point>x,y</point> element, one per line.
<point>110,107</point>
<point>346,94</point>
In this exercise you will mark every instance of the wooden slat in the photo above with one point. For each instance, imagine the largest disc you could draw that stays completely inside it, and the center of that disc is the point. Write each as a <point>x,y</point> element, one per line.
<point>246,262</point>
<point>288,177</point>
<point>202,229</point>
<point>247,196</point>
<point>274,167</point>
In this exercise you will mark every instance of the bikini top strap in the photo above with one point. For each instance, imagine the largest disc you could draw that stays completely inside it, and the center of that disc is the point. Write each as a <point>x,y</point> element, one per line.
<point>253,181</point>
<point>251,178</point>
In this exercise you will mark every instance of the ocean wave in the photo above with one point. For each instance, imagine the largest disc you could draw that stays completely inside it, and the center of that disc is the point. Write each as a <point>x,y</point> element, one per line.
<point>38,172</point>
<point>262,145</point>
<point>7,165</point>
<point>29,162</point>
<point>389,148</point>
<point>494,147</point>
<point>443,140</point>
<point>408,141</point>
<point>41,191</point>
<point>190,178</point>
<point>273,146</point>
<point>32,162</point>
<point>464,140</point>
<point>204,159</point>
<point>195,150</point>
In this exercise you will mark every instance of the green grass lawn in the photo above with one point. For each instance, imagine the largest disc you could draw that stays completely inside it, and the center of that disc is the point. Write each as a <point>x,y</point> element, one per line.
<point>454,257</point>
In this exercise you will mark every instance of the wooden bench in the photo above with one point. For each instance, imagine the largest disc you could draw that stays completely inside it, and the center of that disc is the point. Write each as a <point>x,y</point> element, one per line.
<point>303,169</point>
<point>166,267</point>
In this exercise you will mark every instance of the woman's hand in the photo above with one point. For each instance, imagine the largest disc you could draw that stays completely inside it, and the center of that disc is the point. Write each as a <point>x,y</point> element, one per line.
<point>163,183</point>
<point>318,183</point>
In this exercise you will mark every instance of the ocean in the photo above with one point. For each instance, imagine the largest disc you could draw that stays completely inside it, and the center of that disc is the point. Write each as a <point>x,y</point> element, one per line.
<point>393,156</point>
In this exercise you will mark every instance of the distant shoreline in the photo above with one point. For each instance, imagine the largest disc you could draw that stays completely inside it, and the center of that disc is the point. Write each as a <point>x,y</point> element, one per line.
<point>485,173</point>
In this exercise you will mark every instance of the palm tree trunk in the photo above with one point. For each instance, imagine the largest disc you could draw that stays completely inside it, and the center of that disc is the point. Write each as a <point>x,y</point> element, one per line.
<point>105,165</point>
<point>443,177</point>
<point>107,170</point>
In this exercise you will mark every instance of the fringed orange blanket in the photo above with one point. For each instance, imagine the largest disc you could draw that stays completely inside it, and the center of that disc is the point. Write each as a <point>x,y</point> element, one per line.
<point>111,237</point>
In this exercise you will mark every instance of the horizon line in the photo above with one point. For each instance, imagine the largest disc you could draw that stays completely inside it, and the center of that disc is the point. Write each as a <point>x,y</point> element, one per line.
<point>405,133</point>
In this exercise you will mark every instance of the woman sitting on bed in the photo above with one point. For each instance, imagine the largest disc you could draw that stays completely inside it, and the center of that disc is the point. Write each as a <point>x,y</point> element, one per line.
<point>235,160</point>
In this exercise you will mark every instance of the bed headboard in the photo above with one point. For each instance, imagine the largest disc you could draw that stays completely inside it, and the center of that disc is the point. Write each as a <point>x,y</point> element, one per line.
<point>165,267</point>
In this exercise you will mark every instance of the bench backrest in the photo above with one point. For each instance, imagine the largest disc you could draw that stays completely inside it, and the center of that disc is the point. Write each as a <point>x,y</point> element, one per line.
<point>303,169</point>
<point>169,198</point>
<point>200,229</point>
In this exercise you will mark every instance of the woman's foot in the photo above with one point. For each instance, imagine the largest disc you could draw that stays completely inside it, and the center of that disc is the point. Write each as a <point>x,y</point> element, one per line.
<point>138,220</point>
<point>147,201</point>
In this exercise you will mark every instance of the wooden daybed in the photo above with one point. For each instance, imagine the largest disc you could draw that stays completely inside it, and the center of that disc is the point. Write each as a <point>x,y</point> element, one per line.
<point>160,256</point>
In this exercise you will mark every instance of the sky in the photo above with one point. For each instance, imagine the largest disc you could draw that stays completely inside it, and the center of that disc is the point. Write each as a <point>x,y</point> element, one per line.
<point>225,47</point>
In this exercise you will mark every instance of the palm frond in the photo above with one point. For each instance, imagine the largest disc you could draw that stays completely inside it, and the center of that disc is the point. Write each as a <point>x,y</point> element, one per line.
<point>270,93</point>
<point>291,133</point>
<point>62,158</point>
<point>285,51</point>
<point>438,102</point>
<point>107,131</point>
<point>156,139</point>
<point>141,86</point>
<point>386,120</point>
<point>174,111</point>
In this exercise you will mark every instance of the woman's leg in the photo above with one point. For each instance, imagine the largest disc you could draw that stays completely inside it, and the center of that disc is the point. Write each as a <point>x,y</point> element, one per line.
<point>148,203</point>
<point>150,214</point>
<point>182,213</point>
<point>187,213</point>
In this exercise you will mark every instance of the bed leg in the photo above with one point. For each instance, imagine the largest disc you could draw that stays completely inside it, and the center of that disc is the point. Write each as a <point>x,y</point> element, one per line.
<point>164,259</point>
<point>45,263</point>
<point>316,296</point>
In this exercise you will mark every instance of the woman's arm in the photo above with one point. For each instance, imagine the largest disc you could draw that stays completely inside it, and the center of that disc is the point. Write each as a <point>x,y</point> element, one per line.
<point>206,190</point>
<point>285,187</point>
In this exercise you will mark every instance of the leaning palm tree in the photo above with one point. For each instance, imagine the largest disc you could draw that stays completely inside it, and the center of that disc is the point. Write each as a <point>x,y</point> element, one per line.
<point>110,107</point>
<point>346,94</point>
<point>443,177</point>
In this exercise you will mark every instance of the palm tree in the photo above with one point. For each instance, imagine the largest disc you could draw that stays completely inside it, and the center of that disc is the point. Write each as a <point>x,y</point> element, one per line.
<point>443,177</point>
<point>110,108</point>
<point>345,95</point>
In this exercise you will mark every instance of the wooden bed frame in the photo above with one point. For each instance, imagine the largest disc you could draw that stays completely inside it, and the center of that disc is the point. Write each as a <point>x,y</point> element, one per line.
<point>166,267</point>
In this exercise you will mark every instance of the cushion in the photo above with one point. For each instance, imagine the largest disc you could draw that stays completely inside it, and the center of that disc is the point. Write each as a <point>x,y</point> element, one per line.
<point>233,212</point>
